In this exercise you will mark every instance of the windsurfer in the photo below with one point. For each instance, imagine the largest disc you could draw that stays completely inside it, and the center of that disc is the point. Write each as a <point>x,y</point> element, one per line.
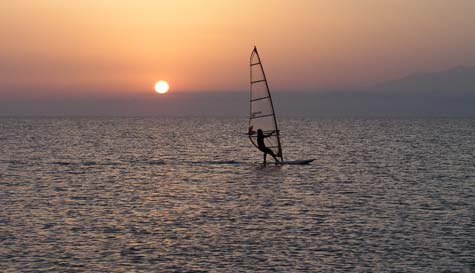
<point>262,146</point>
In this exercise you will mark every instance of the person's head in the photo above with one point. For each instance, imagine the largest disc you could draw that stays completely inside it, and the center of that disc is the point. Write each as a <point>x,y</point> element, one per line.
<point>259,132</point>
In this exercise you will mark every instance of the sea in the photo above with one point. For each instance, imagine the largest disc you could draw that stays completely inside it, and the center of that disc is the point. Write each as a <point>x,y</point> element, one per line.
<point>190,194</point>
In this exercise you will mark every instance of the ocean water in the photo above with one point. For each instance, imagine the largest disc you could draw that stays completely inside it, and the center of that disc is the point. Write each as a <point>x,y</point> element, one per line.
<point>190,195</point>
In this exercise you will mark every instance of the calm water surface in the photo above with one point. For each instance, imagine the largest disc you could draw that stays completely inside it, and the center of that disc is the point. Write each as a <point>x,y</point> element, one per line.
<point>189,194</point>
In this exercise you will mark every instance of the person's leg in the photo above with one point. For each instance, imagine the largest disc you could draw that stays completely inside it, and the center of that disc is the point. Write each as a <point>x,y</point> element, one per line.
<point>269,151</point>
<point>265,156</point>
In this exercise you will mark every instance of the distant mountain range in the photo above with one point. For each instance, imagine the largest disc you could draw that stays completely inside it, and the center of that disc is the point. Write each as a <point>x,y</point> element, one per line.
<point>448,93</point>
<point>459,80</point>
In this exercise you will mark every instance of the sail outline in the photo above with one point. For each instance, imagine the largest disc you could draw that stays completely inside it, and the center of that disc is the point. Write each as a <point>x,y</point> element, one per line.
<point>276,147</point>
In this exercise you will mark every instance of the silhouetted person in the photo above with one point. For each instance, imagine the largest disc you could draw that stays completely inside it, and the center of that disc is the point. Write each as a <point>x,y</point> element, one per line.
<point>262,146</point>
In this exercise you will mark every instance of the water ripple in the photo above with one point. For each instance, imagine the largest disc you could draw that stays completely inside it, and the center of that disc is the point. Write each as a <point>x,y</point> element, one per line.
<point>146,194</point>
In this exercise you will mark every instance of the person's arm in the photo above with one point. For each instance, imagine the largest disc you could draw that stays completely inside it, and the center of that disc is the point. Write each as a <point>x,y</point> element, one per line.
<point>269,134</point>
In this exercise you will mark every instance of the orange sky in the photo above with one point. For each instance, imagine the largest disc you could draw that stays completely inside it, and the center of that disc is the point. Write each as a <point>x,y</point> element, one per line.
<point>113,46</point>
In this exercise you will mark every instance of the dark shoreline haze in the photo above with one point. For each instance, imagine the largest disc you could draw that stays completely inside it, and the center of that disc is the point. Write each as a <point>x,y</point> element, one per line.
<point>231,104</point>
<point>449,93</point>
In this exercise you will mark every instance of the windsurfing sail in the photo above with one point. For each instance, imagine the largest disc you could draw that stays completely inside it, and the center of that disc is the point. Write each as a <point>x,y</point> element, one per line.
<point>262,115</point>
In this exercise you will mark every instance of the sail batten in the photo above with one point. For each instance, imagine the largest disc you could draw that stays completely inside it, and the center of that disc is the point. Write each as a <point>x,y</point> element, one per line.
<point>258,81</point>
<point>262,114</point>
<point>263,98</point>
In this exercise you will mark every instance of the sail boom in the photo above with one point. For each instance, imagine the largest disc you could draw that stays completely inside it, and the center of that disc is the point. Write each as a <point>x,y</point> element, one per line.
<point>266,133</point>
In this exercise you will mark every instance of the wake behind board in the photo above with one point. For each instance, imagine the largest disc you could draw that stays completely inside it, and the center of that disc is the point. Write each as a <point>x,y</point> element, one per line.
<point>295,162</point>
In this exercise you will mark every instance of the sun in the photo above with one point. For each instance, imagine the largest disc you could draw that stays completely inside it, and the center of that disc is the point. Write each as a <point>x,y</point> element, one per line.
<point>161,87</point>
